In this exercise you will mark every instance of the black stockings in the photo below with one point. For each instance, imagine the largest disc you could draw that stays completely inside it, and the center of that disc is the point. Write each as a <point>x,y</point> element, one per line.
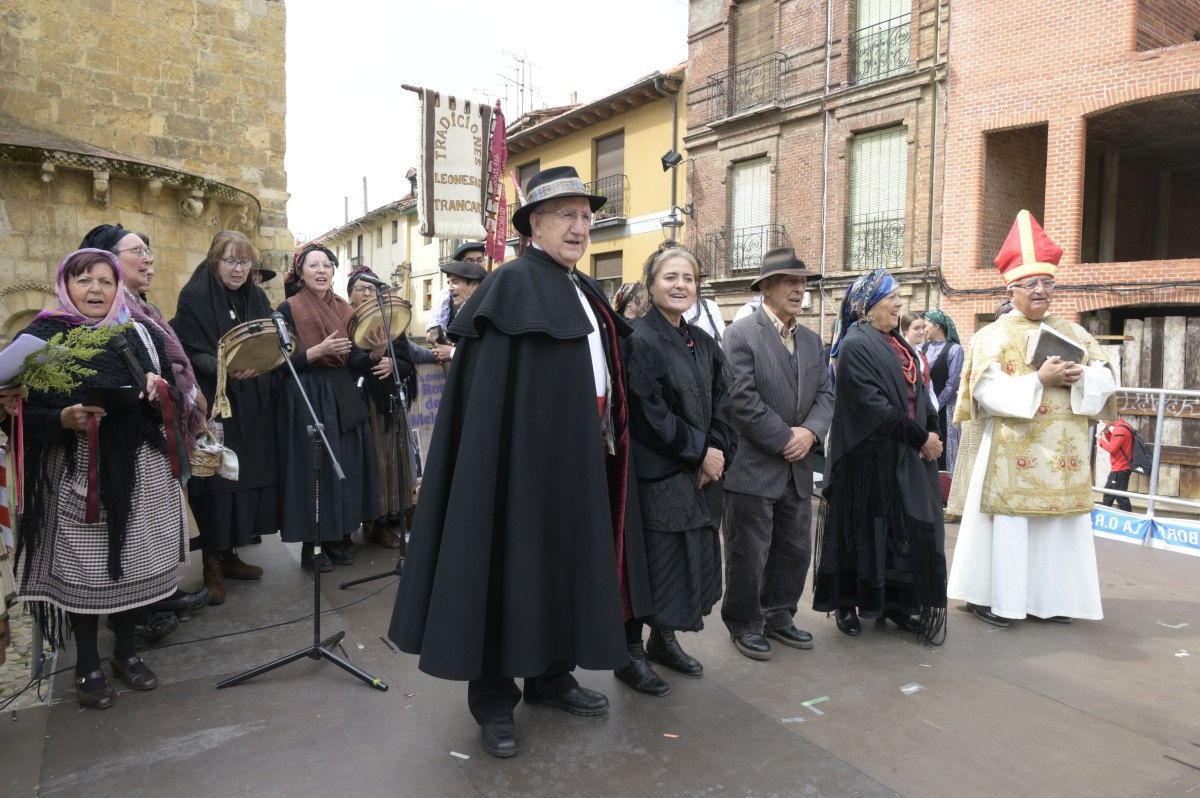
<point>87,646</point>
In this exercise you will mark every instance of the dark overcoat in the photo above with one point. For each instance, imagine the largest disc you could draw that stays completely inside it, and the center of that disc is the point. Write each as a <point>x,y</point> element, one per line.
<point>514,548</point>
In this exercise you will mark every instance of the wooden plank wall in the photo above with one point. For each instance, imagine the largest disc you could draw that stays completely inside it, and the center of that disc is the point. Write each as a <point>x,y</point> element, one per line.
<point>1164,352</point>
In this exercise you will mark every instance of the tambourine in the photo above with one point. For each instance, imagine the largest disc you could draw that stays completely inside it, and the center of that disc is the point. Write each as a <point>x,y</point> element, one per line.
<point>367,319</point>
<point>252,345</point>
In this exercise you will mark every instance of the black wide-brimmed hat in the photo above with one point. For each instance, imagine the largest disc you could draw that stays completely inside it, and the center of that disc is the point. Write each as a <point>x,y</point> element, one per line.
<point>783,260</point>
<point>553,183</point>
<point>469,246</point>
<point>465,269</point>
<point>267,275</point>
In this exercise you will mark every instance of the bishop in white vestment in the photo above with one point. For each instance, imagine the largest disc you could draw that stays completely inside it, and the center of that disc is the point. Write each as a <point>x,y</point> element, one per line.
<point>1025,541</point>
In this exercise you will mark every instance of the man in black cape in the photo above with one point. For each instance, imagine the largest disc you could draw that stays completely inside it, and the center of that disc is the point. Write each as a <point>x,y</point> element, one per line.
<point>526,554</point>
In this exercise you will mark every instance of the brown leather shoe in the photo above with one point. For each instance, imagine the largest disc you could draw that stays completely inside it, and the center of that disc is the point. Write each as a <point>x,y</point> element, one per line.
<point>382,535</point>
<point>214,577</point>
<point>134,673</point>
<point>233,567</point>
<point>101,696</point>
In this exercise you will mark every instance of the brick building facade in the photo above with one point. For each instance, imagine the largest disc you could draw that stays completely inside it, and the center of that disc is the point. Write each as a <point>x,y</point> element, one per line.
<point>1085,113</point>
<point>819,125</point>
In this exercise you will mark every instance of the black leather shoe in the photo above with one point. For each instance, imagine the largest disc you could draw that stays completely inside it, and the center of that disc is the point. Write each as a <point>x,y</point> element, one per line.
<point>339,553</point>
<point>753,645</point>
<point>150,626</point>
<point>901,619</point>
<point>183,604</point>
<point>578,701</point>
<point>791,636</point>
<point>847,621</point>
<point>255,539</point>
<point>134,673</point>
<point>664,649</point>
<point>94,691</point>
<point>639,675</point>
<point>986,615</point>
<point>311,562</point>
<point>499,737</point>
<point>1054,618</point>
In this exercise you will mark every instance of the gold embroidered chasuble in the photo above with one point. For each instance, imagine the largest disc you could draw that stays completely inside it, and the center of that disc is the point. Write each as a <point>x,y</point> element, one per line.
<point>1038,466</point>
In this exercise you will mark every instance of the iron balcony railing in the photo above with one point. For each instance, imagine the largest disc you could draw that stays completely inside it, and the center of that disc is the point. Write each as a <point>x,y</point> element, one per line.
<point>874,241</point>
<point>749,85</point>
<point>612,188</point>
<point>881,50</point>
<point>740,254</point>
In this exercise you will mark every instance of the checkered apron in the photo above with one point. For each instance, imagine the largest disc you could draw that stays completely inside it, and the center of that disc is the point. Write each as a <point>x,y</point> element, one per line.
<point>70,567</point>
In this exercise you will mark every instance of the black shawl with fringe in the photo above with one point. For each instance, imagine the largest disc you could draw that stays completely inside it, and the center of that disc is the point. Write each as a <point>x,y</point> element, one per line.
<point>881,537</point>
<point>121,435</point>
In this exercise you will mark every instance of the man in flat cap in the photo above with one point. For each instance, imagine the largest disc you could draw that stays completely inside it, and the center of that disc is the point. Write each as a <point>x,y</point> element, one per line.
<point>526,554</point>
<point>462,278</point>
<point>782,407</point>
<point>435,329</point>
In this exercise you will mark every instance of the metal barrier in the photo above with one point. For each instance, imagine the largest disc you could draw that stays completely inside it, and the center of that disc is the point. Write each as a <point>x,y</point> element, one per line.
<point>1152,498</point>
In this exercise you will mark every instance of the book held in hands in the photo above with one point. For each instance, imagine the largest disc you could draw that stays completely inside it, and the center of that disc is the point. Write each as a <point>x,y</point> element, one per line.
<point>1047,342</point>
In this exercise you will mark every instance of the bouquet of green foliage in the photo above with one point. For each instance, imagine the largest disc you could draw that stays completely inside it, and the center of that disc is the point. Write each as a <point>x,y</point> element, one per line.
<point>59,368</point>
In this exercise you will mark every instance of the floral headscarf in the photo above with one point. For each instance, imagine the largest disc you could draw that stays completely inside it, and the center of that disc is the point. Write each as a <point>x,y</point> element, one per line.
<point>66,311</point>
<point>862,296</point>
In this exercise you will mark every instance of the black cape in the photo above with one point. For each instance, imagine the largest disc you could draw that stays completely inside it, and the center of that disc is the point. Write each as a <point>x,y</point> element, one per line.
<point>207,310</point>
<point>881,537</point>
<point>512,555</point>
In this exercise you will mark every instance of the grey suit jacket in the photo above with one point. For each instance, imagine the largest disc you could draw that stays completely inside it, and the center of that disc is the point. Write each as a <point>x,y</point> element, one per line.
<point>768,400</point>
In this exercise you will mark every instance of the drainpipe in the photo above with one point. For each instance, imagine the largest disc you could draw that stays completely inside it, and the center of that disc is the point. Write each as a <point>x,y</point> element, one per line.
<point>674,135</point>
<point>933,154</point>
<point>825,162</point>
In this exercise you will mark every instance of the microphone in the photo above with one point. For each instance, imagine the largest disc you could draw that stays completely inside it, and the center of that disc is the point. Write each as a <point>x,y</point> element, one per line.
<point>281,329</point>
<point>369,280</point>
<point>135,369</point>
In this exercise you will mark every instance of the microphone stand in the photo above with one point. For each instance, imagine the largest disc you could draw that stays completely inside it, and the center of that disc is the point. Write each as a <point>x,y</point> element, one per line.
<point>400,421</point>
<point>320,649</point>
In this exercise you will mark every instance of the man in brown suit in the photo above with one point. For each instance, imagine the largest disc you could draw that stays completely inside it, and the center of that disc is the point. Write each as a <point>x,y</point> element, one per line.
<point>782,406</point>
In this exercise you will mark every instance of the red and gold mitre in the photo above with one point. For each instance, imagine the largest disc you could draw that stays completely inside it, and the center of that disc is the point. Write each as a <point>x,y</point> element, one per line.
<point>1028,251</point>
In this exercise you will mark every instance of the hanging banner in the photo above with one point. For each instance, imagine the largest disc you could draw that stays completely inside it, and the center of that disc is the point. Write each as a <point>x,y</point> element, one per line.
<point>1114,524</point>
<point>453,171</point>
<point>497,235</point>
<point>1176,534</point>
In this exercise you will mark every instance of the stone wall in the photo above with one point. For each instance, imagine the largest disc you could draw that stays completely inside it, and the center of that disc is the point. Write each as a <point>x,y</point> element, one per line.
<point>195,86</point>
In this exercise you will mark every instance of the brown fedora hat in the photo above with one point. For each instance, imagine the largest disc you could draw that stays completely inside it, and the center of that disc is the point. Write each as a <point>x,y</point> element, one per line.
<point>783,260</point>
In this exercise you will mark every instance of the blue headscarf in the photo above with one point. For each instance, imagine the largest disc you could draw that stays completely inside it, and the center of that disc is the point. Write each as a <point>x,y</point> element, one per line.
<point>862,296</point>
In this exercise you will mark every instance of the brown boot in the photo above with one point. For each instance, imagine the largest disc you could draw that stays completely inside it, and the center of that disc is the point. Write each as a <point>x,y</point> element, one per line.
<point>214,577</point>
<point>382,535</point>
<point>234,568</point>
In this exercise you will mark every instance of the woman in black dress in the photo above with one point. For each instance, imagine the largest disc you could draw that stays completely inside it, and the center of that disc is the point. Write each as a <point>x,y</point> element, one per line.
<point>683,439</point>
<point>881,537</point>
<point>329,367</point>
<point>219,296</point>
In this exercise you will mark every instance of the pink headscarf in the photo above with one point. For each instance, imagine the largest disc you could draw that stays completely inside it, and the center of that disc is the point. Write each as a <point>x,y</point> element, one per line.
<point>66,311</point>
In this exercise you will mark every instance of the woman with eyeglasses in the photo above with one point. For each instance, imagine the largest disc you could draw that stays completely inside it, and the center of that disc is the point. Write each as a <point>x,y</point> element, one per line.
<point>137,272</point>
<point>229,514</point>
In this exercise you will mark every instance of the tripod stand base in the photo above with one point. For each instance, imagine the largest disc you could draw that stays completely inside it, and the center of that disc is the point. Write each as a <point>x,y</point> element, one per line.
<point>321,651</point>
<point>394,572</point>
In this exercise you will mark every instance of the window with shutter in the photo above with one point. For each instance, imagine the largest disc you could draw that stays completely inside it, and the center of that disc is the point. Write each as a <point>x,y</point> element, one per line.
<point>879,46</point>
<point>526,171</point>
<point>606,268</point>
<point>379,236</point>
<point>395,231</point>
<point>753,30</point>
<point>878,177</point>
<point>750,215</point>
<point>610,174</point>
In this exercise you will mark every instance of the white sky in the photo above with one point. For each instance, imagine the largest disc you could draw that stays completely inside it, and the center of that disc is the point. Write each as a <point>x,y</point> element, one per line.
<point>348,117</point>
